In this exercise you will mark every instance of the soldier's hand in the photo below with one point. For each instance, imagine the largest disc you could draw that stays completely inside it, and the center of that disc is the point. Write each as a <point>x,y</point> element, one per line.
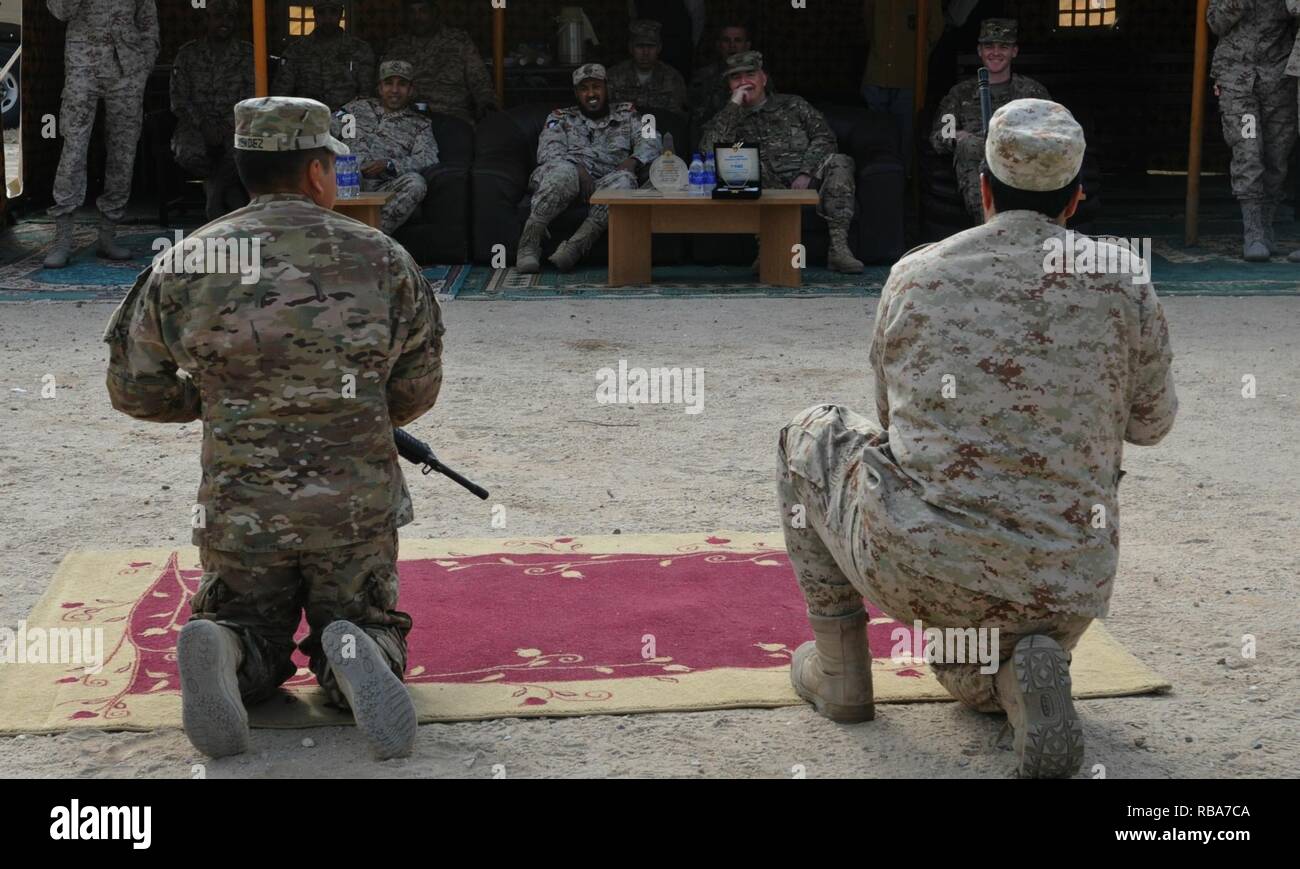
<point>963,135</point>
<point>374,168</point>
<point>628,165</point>
<point>1217,94</point>
<point>803,182</point>
<point>586,186</point>
<point>743,95</point>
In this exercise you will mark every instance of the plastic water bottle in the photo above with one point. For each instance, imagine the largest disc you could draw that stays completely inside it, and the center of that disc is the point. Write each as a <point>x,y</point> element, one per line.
<point>710,175</point>
<point>347,177</point>
<point>697,175</point>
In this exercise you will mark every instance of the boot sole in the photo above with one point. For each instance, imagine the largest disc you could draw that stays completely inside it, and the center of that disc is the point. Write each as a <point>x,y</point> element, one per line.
<point>836,712</point>
<point>212,711</point>
<point>1051,743</point>
<point>381,704</point>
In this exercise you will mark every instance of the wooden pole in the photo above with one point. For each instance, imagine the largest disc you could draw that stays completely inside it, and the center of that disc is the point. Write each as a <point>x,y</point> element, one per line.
<point>499,52</point>
<point>1191,234</point>
<point>261,84</point>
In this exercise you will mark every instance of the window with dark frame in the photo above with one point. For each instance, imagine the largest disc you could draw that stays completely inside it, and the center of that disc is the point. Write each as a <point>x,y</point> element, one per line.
<point>1087,13</point>
<point>302,19</point>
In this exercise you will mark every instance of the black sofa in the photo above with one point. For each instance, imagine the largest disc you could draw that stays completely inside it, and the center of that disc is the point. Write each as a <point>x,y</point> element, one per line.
<point>505,156</point>
<point>439,231</point>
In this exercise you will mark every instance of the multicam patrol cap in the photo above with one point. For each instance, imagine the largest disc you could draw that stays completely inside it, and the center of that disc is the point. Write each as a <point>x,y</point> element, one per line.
<point>399,68</point>
<point>743,61</point>
<point>586,71</point>
<point>646,32</point>
<point>1034,145</point>
<point>284,124</point>
<point>999,30</point>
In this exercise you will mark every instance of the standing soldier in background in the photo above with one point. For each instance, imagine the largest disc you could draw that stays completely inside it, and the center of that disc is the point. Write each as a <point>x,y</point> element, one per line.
<point>959,123</point>
<point>1257,99</point>
<point>709,90</point>
<point>209,76</point>
<point>986,500</point>
<point>393,143</point>
<point>449,72</point>
<point>889,80</point>
<point>683,25</point>
<point>299,375</point>
<point>644,80</point>
<point>588,147</point>
<point>799,149</point>
<point>327,65</point>
<point>110,49</point>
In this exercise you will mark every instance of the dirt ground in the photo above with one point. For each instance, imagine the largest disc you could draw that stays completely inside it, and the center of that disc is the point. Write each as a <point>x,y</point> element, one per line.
<point>1210,530</point>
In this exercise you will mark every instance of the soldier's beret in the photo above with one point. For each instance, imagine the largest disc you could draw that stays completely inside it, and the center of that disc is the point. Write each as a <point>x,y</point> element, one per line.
<point>1003,30</point>
<point>399,68</point>
<point>743,61</point>
<point>284,124</point>
<point>646,32</point>
<point>586,71</point>
<point>1034,145</point>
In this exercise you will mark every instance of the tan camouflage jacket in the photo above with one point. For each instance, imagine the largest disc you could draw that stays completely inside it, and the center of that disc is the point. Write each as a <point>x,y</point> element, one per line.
<point>108,33</point>
<point>449,72</point>
<point>333,70</point>
<point>1008,390</point>
<point>299,376</point>
<point>404,137</point>
<point>208,78</point>
<point>1255,42</point>
<point>794,138</point>
<point>962,104</point>
<point>599,146</point>
<point>666,88</point>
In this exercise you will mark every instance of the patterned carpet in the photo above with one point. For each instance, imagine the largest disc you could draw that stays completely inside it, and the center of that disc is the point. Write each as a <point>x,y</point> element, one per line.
<point>1213,268</point>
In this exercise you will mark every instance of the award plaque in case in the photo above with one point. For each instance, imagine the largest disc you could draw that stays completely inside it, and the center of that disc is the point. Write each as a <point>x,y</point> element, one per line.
<point>740,173</point>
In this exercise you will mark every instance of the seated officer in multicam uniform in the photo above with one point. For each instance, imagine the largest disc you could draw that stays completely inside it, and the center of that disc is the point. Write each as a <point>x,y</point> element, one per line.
<point>644,80</point>
<point>394,143</point>
<point>584,148</point>
<point>798,148</point>
<point>987,497</point>
<point>299,378</point>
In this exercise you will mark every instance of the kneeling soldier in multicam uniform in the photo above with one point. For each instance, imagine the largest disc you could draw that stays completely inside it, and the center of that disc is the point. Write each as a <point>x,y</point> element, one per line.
<point>584,148</point>
<point>299,375</point>
<point>798,148</point>
<point>394,144</point>
<point>1005,391</point>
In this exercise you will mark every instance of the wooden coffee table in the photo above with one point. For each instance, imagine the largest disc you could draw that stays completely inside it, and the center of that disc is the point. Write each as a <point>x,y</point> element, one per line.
<point>365,207</point>
<point>636,215</point>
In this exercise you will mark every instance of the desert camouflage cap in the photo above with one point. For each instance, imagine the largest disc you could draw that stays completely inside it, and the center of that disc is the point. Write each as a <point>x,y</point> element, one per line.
<point>1003,30</point>
<point>586,71</point>
<point>284,124</point>
<point>646,32</point>
<point>399,68</point>
<point>743,61</point>
<point>1034,145</point>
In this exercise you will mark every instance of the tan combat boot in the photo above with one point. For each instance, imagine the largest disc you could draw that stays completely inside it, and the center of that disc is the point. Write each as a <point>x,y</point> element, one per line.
<point>566,257</point>
<point>61,252</point>
<point>528,259</point>
<point>840,258</point>
<point>108,248</point>
<point>380,703</point>
<point>833,672</point>
<point>1253,250</point>
<point>1267,212</point>
<point>212,712</point>
<point>1034,688</point>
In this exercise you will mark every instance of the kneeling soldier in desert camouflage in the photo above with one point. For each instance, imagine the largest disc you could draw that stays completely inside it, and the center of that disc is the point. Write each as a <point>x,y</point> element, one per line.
<point>394,144</point>
<point>584,148</point>
<point>299,370</point>
<point>1006,391</point>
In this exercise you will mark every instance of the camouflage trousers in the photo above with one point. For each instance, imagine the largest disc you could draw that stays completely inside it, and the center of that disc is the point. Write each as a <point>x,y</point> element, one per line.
<point>966,163</point>
<point>831,465</point>
<point>84,86</point>
<point>1259,126</point>
<point>262,597</point>
<point>409,191</point>
<point>836,187</point>
<point>216,166</point>
<point>555,187</point>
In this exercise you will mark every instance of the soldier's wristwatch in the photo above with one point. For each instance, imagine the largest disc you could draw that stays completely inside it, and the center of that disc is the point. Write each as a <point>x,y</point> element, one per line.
<point>392,168</point>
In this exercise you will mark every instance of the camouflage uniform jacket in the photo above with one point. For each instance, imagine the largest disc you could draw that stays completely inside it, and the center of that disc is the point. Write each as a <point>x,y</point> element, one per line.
<point>598,145</point>
<point>404,137</point>
<point>709,92</point>
<point>963,103</point>
<point>794,138</point>
<point>103,31</point>
<point>333,70</point>
<point>1050,373</point>
<point>449,72</point>
<point>1255,42</point>
<point>208,78</point>
<point>291,460</point>
<point>666,89</point>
